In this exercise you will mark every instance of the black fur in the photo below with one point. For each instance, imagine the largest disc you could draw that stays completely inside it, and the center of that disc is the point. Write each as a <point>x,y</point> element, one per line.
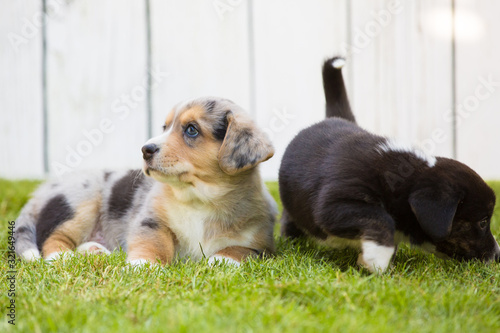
<point>56,211</point>
<point>337,103</point>
<point>150,223</point>
<point>107,174</point>
<point>220,128</point>
<point>209,106</point>
<point>122,194</point>
<point>336,181</point>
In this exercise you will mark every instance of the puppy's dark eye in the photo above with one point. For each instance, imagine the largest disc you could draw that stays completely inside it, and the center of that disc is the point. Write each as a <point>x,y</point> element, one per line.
<point>191,131</point>
<point>483,223</point>
<point>164,127</point>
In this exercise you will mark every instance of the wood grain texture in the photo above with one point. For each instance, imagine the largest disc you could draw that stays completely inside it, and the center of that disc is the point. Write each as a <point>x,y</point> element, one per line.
<point>292,39</point>
<point>204,50</point>
<point>402,73</point>
<point>478,116</point>
<point>21,124</point>
<point>97,84</point>
<point>264,55</point>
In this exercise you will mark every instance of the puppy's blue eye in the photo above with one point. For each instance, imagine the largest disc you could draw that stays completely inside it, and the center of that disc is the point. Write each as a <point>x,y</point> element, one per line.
<point>191,131</point>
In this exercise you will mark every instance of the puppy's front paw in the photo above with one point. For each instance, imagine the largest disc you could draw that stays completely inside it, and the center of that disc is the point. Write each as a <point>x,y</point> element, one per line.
<point>216,259</point>
<point>375,258</point>
<point>138,262</point>
<point>61,255</point>
<point>31,254</point>
<point>92,247</point>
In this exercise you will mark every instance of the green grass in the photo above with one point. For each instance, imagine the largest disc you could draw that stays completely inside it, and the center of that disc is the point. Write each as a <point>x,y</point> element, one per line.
<point>305,288</point>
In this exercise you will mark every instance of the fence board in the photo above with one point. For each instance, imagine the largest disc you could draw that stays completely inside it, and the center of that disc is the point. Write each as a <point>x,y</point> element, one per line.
<point>292,39</point>
<point>203,46</point>
<point>478,117</point>
<point>402,73</point>
<point>21,125</point>
<point>97,84</point>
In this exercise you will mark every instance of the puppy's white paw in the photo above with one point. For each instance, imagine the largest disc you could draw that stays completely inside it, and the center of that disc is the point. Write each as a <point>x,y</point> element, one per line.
<point>92,247</point>
<point>213,260</point>
<point>136,265</point>
<point>374,257</point>
<point>31,254</point>
<point>61,255</point>
<point>137,262</point>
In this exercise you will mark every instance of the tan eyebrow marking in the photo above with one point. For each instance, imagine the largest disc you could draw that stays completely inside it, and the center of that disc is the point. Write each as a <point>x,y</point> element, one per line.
<point>192,114</point>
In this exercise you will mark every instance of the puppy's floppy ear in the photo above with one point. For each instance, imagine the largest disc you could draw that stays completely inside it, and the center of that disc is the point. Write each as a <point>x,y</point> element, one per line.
<point>435,209</point>
<point>244,145</point>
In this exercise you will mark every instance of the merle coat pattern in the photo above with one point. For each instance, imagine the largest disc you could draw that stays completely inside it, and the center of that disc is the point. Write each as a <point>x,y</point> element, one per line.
<point>199,194</point>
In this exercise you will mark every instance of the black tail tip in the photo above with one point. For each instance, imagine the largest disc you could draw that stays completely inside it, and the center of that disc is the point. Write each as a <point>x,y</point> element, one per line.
<point>335,62</point>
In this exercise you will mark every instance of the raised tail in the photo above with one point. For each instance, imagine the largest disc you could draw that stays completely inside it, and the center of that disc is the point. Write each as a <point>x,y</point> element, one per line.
<point>337,103</point>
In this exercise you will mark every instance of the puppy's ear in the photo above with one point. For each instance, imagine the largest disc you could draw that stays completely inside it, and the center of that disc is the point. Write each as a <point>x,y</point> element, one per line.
<point>244,145</point>
<point>435,209</point>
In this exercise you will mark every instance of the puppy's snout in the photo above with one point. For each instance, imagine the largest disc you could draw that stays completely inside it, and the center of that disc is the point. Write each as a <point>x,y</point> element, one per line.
<point>149,150</point>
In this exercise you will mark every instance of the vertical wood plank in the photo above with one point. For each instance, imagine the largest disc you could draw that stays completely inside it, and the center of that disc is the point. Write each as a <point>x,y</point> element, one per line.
<point>478,115</point>
<point>292,39</point>
<point>203,46</point>
<point>21,125</point>
<point>402,72</point>
<point>97,84</point>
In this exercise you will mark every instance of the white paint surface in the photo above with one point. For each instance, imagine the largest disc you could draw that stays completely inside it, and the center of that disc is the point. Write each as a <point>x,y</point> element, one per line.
<point>21,125</point>
<point>399,80</point>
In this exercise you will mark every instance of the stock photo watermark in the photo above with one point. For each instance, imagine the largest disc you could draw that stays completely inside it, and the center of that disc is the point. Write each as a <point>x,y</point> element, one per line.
<point>470,104</point>
<point>32,26</point>
<point>279,121</point>
<point>464,110</point>
<point>222,7</point>
<point>381,19</point>
<point>11,275</point>
<point>121,108</point>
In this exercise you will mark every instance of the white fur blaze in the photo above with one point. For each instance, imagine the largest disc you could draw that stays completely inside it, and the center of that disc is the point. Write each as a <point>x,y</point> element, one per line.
<point>375,257</point>
<point>224,260</point>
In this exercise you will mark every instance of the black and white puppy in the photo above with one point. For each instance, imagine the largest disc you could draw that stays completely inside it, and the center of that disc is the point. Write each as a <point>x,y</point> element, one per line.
<point>347,187</point>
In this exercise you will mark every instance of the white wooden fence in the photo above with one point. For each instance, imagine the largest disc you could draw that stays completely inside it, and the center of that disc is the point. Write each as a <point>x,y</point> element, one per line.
<point>85,84</point>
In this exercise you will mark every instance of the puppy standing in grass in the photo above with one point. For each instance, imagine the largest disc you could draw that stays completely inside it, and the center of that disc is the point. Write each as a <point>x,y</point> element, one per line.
<point>347,187</point>
<point>203,197</point>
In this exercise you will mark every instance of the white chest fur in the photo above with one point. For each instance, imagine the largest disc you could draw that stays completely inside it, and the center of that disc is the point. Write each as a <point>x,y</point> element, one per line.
<point>188,224</point>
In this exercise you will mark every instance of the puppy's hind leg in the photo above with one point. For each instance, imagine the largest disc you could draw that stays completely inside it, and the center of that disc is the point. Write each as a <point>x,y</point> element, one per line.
<point>71,233</point>
<point>288,226</point>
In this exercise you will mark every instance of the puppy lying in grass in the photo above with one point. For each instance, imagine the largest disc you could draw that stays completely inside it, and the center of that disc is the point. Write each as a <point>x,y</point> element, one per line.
<point>202,196</point>
<point>347,187</point>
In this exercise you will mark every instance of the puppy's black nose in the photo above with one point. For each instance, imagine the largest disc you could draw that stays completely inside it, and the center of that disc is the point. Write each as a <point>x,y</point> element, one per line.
<point>149,150</point>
